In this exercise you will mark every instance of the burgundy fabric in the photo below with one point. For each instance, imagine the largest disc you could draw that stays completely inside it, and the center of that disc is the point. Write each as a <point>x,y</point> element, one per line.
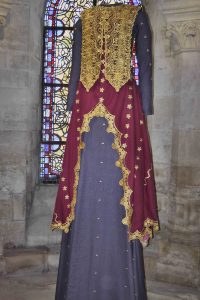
<point>141,180</point>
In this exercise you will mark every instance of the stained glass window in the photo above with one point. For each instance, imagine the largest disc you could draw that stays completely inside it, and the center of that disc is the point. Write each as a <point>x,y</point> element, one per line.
<point>59,19</point>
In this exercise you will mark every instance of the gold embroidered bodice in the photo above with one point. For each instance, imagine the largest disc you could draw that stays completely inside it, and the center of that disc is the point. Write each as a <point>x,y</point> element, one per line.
<point>107,31</point>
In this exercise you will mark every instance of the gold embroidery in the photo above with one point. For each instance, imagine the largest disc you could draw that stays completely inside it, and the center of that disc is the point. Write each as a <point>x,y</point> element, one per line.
<point>64,188</point>
<point>130,97</point>
<point>67,197</point>
<point>148,176</point>
<point>128,116</point>
<point>139,148</point>
<point>102,80</point>
<point>129,106</point>
<point>141,122</point>
<point>101,99</point>
<point>62,179</point>
<point>117,36</point>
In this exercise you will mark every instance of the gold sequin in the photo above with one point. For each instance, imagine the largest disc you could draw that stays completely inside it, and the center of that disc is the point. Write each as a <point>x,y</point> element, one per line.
<point>101,99</point>
<point>129,106</point>
<point>67,197</point>
<point>127,125</point>
<point>64,188</point>
<point>126,135</point>
<point>101,90</point>
<point>124,145</point>
<point>103,80</point>
<point>141,122</point>
<point>62,178</point>
<point>128,116</point>
<point>77,101</point>
<point>130,97</point>
<point>136,167</point>
<point>139,148</point>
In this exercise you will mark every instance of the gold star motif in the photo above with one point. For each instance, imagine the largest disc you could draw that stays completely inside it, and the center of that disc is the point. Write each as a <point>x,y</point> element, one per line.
<point>103,61</point>
<point>128,116</point>
<point>64,188</point>
<point>136,167</point>
<point>124,145</point>
<point>130,97</point>
<point>78,110</point>
<point>141,122</point>
<point>137,158</point>
<point>139,148</point>
<point>101,99</point>
<point>77,100</point>
<point>126,135</point>
<point>78,120</point>
<point>62,178</point>
<point>67,197</point>
<point>102,80</point>
<point>130,87</point>
<point>68,205</point>
<point>135,176</point>
<point>141,140</point>
<point>77,92</point>
<point>127,125</point>
<point>101,90</point>
<point>129,106</point>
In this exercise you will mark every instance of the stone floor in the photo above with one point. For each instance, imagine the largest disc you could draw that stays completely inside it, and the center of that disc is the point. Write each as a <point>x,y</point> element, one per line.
<point>37,285</point>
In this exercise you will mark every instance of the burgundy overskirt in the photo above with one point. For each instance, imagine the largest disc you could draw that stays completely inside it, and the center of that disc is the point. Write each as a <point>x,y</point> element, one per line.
<point>123,111</point>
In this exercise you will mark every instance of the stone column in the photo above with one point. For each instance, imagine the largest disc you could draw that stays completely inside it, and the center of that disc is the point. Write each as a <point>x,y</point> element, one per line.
<point>181,260</point>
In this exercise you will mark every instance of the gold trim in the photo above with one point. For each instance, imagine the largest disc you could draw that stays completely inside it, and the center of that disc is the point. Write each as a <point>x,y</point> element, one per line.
<point>149,227</point>
<point>101,111</point>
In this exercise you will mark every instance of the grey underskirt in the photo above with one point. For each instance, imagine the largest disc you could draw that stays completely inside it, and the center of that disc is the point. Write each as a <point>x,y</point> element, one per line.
<point>97,262</point>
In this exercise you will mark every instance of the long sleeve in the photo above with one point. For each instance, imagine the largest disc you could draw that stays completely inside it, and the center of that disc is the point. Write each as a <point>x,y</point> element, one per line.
<point>76,64</point>
<point>143,40</point>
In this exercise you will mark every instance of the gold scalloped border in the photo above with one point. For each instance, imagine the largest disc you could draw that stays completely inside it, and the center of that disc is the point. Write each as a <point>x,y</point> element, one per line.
<point>149,225</point>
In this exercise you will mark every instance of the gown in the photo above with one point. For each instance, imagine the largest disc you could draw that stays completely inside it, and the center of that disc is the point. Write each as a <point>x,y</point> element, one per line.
<point>100,258</point>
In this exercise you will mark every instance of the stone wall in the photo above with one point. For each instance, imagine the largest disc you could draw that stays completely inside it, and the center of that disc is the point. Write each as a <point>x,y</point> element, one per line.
<point>20,82</point>
<point>176,141</point>
<point>174,128</point>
